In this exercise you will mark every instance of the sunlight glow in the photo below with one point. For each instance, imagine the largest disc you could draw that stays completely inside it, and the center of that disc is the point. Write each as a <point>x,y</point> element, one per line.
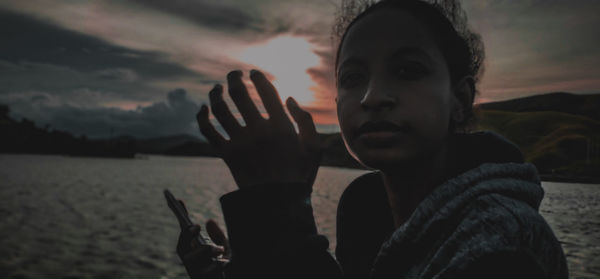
<point>287,58</point>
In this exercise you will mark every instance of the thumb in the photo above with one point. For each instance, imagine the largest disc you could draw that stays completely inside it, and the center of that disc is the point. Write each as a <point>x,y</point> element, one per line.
<point>306,125</point>
<point>217,235</point>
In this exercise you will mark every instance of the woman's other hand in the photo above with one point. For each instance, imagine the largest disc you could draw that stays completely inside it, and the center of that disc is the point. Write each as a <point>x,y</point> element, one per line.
<point>187,248</point>
<point>204,261</point>
<point>264,150</point>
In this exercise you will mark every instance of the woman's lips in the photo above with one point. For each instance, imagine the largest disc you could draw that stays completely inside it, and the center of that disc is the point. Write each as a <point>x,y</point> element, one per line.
<point>380,137</point>
<point>380,134</point>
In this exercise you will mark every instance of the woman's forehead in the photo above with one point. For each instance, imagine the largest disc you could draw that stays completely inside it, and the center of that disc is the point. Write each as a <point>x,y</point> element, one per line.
<point>384,32</point>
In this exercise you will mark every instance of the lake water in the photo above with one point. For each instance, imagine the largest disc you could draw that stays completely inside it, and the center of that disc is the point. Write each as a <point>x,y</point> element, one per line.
<point>65,217</point>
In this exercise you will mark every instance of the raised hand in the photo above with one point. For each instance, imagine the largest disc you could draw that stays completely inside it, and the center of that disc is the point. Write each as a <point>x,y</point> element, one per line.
<point>264,150</point>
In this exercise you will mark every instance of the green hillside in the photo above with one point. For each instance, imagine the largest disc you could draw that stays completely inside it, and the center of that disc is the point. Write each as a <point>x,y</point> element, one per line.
<point>587,105</point>
<point>559,144</point>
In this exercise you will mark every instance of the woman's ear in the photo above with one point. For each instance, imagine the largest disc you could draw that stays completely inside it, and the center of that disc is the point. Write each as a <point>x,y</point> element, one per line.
<point>464,93</point>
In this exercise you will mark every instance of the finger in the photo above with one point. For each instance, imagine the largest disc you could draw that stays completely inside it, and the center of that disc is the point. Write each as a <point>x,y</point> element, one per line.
<point>207,129</point>
<point>221,111</point>
<point>239,95</point>
<point>183,205</point>
<point>217,235</point>
<point>306,126</point>
<point>268,94</point>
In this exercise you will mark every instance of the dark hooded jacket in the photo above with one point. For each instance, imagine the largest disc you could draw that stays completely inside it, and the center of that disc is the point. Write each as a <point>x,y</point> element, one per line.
<point>482,222</point>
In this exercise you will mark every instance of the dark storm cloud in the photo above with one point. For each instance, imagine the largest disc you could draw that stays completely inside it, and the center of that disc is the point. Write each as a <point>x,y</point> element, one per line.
<point>71,86</point>
<point>48,71</point>
<point>175,116</point>
<point>25,38</point>
<point>214,15</point>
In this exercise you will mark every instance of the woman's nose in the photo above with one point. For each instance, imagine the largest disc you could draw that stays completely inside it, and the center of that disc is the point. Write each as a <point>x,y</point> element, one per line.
<point>377,98</point>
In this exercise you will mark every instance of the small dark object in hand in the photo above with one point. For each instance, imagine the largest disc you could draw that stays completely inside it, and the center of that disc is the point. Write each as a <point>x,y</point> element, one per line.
<point>197,258</point>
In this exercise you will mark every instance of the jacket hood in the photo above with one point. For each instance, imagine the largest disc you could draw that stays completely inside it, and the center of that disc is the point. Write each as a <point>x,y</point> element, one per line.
<point>494,171</point>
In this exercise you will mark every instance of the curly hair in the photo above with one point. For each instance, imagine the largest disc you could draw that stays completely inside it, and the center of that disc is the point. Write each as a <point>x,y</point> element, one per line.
<point>461,47</point>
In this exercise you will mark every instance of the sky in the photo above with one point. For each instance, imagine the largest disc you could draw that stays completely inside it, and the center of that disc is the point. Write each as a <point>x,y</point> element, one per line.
<point>144,67</point>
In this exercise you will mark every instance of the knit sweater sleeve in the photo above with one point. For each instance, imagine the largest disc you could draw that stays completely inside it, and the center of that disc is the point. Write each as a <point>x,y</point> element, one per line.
<point>504,238</point>
<point>517,264</point>
<point>273,234</point>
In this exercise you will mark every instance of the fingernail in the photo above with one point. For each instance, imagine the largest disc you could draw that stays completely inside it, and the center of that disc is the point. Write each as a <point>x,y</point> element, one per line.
<point>236,73</point>
<point>215,90</point>
<point>253,72</point>
<point>216,94</point>
<point>292,101</point>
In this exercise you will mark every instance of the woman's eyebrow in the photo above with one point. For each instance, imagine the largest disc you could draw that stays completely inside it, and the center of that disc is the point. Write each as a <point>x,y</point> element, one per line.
<point>411,51</point>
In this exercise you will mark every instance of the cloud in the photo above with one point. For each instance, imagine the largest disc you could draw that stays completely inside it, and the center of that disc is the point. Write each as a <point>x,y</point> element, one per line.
<point>214,15</point>
<point>76,63</point>
<point>80,70</point>
<point>176,115</point>
<point>26,39</point>
<point>69,86</point>
<point>173,116</point>
<point>118,74</point>
<point>96,57</point>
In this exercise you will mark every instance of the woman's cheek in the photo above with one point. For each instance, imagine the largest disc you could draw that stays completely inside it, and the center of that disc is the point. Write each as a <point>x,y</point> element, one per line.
<point>435,124</point>
<point>348,113</point>
<point>346,107</point>
<point>344,118</point>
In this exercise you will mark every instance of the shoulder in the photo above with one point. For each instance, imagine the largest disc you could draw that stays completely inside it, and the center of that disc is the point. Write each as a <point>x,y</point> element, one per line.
<point>505,204</point>
<point>365,187</point>
<point>363,183</point>
<point>491,218</point>
<point>499,231</point>
<point>514,264</point>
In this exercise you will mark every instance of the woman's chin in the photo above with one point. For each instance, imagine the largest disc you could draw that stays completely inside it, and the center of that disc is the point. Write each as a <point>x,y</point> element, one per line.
<point>384,158</point>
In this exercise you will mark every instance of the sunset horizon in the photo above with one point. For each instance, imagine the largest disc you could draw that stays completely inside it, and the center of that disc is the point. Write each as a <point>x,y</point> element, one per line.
<point>145,67</point>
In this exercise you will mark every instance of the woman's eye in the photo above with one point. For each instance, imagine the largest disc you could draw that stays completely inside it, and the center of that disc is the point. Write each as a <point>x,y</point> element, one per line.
<point>411,71</point>
<point>351,79</point>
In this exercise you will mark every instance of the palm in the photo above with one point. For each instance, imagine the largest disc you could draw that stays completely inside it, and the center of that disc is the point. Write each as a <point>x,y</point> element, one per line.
<point>265,150</point>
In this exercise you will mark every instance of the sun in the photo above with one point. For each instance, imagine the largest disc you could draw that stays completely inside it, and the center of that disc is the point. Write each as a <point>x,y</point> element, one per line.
<point>287,58</point>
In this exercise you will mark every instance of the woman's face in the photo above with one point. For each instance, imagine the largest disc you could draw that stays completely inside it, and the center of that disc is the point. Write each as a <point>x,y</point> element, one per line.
<point>395,96</point>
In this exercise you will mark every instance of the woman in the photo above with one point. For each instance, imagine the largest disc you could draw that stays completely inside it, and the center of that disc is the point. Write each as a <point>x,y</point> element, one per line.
<point>441,204</point>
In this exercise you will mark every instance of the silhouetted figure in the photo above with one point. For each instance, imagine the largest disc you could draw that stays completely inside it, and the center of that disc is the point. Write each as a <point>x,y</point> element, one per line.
<point>441,203</point>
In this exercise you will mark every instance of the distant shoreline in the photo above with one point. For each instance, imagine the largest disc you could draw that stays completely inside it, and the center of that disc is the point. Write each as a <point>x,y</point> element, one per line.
<point>543,177</point>
<point>569,179</point>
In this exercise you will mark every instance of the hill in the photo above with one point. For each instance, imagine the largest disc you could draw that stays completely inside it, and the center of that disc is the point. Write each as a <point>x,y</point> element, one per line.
<point>25,137</point>
<point>587,105</point>
<point>561,145</point>
<point>558,132</point>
